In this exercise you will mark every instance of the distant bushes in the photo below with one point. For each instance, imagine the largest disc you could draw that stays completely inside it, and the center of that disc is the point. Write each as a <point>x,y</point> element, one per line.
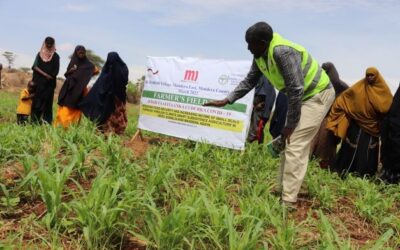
<point>26,69</point>
<point>132,93</point>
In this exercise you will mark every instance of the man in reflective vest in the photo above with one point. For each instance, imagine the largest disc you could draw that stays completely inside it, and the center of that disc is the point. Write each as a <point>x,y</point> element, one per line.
<point>292,70</point>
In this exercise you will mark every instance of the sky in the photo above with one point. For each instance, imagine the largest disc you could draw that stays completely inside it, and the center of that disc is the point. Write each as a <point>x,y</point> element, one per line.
<point>353,34</point>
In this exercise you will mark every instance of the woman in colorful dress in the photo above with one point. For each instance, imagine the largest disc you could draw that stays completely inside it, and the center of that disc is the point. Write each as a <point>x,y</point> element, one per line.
<point>105,103</point>
<point>79,72</point>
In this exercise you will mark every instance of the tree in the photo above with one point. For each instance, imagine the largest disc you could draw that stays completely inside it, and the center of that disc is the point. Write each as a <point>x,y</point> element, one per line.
<point>140,84</point>
<point>10,56</point>
<point>95,59</point>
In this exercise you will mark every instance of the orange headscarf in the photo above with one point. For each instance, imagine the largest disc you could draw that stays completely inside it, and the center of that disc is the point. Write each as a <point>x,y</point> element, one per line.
<point>364,103</point>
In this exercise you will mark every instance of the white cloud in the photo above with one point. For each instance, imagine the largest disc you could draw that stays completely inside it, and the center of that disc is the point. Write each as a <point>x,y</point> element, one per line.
<point>78,7</point>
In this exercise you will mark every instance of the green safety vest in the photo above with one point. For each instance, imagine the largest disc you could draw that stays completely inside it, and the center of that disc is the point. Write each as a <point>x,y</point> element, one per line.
<point>315,78</point>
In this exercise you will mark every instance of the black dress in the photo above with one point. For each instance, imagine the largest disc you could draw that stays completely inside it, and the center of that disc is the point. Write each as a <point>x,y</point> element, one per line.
<point>42,103</point>
<point>358,154</point>
<point>109,89</point>
<point>391,143</point>
<point>72,91</point>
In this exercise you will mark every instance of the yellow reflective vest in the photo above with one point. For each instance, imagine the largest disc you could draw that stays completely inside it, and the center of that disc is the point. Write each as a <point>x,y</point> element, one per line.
<point>315,78</point>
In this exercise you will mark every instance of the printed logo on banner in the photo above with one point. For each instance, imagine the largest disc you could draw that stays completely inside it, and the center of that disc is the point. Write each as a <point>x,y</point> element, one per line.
<point>191,75</point>
<point>233,79</point>
<point>150,70</point>
<point>223,79</point>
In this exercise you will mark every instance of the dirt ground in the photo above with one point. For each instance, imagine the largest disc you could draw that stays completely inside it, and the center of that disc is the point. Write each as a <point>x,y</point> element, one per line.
<point>13,80</point>
<point>141,144</point>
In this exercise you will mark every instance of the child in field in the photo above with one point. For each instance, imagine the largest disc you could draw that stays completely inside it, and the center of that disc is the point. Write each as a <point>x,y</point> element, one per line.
<point>25,103</point>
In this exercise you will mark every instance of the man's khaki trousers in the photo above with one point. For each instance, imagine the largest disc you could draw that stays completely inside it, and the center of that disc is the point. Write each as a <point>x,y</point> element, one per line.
<point>295,157</point>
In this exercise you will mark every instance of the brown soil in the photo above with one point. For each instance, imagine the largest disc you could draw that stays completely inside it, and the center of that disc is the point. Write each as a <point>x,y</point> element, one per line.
<point>140,144</point>
<point>10,173</point>
<point>358,229</point>
<point>13,80</point>
<point>133,243</point>
<point>85,184</point>
<point>344,218</point>
<point>38,208</point>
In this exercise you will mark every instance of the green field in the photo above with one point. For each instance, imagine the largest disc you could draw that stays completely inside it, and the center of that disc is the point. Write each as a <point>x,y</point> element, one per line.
<point>77,189</point>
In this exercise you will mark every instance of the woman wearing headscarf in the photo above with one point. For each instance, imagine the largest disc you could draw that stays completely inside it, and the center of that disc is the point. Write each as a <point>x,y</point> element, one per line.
<point>79,72</point>
<point>391,143</point>
<point>355,117</point>
<point>45,71</point>
<point>324,144</point>
<point>106,100</point>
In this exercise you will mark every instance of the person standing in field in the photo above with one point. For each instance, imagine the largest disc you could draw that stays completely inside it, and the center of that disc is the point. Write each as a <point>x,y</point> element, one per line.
<point>290,69</point>
<point>325,143</point>
<point>105,103</point>
<point>391,143</point>
<point>355,118</point>
<point>79,72</point>
<point>45,71</point>
<point>25,103</point>
<point>264,98</point>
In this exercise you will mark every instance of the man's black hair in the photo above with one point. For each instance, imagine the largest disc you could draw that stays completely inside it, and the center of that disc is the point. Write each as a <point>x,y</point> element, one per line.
<point>258,32</point>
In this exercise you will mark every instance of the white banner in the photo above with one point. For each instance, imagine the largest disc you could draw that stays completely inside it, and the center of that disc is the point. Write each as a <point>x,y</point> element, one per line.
<point>175,90</point>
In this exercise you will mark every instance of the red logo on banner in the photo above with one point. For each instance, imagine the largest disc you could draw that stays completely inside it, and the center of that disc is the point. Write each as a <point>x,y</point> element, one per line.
<point>191,75</point>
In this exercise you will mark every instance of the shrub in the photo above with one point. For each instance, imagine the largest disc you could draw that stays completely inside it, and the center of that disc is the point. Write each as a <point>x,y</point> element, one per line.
<point>132,93</point>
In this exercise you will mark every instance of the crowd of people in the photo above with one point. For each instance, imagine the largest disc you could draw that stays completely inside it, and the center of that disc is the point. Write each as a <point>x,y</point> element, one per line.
<point>315,111</point>
<point>104,103</point>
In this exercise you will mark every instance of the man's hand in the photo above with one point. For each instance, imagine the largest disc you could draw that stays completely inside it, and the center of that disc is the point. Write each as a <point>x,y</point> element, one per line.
<point>286,133</point>
<point>217,103</point>
<point>48,77</point>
